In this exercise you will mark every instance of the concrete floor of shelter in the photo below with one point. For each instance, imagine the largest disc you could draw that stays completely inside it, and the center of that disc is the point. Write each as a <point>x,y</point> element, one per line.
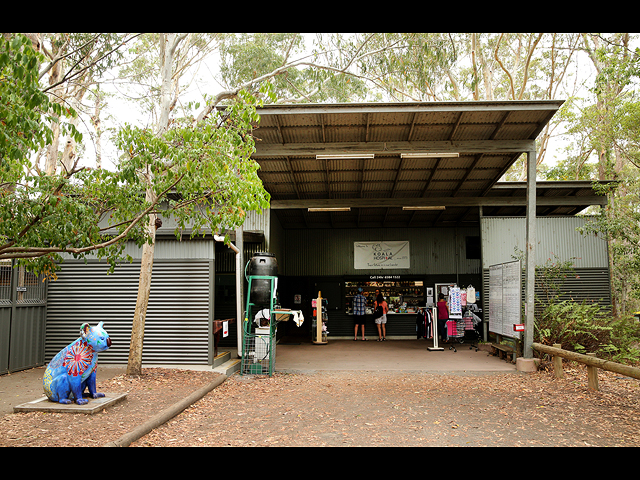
<point>400,355</point>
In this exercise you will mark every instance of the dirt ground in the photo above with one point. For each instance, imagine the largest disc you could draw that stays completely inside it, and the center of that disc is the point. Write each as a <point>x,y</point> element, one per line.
<point>353,408</point>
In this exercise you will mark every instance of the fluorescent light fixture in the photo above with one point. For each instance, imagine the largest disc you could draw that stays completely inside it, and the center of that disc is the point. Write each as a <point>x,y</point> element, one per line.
<point>426,207</point>
<point>429,155</point>
<point>345,156</point>
<point>329,209</point>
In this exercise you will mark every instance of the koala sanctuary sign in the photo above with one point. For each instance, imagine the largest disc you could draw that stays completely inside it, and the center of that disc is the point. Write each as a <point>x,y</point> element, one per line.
<point>367,255</point>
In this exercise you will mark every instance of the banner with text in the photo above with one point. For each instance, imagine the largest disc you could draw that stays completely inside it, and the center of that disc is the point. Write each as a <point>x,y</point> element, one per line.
<point>368,255</point>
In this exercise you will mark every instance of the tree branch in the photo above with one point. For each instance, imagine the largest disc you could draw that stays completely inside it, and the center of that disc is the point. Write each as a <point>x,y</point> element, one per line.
<point>68,76</point>
<point>26,252</point>
<point>495,54</point>
<point>526,67</point>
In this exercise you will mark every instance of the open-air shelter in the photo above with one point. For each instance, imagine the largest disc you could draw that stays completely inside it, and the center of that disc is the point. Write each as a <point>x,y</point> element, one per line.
<point>411,165</point>
<point>339,175</point>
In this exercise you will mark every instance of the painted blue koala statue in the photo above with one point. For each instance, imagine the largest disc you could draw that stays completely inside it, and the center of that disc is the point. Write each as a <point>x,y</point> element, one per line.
<point>73,369</point>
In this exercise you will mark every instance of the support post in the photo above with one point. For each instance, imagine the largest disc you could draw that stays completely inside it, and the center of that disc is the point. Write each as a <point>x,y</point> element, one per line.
<point>557,363</point>
<point>530,259</point>
<point>592,375</point>
<point>240,287</point>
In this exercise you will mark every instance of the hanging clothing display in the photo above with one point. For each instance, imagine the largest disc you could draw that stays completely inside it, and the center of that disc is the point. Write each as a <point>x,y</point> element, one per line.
<point>471,294</point>
<point>423,323</point>
<point>455,305</point>
<point>452,328</point>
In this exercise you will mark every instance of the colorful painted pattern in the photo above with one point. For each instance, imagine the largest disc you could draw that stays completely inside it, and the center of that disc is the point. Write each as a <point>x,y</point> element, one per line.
<point>78,358</point>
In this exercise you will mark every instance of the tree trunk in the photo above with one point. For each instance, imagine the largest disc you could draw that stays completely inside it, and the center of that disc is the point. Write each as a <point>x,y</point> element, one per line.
<point>168,44</point>
<point>55,75</point>
<point>134,365</point>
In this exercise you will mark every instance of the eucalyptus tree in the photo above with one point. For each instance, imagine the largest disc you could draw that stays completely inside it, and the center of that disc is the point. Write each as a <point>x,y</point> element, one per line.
<point>79,210</point>
<point>603,128</point>
<point>44,214</point>
<point>202,161</point>
<point>74,64</point>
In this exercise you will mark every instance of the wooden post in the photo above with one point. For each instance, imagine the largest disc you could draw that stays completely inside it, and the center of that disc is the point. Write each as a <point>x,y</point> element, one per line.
<point>319,318</point>
<point>557,363</point>
<point>592,375</point>
<point>318,340</point>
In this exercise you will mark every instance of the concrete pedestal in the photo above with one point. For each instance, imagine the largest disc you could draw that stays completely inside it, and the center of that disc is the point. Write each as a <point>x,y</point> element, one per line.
<point>95,405</point>
<point>527,364</point>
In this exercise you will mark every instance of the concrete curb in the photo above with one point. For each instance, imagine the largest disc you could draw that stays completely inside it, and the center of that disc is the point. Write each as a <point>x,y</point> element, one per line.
<point>165,415</point>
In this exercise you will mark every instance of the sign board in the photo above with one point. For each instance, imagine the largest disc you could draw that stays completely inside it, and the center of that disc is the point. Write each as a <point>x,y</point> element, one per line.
<point>505,298</point>
<point>391,254</point>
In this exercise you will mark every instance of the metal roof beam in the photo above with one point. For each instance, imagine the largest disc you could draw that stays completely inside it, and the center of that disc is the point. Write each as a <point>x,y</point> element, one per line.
<point>380,107</point>
<point>432,201</point>
<point>387,148</point>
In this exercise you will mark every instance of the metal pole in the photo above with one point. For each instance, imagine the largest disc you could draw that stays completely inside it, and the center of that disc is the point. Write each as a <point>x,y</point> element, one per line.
<point>530,258</point>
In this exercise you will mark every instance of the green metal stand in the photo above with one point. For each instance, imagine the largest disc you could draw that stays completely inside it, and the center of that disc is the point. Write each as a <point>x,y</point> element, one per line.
<point>259,343</point>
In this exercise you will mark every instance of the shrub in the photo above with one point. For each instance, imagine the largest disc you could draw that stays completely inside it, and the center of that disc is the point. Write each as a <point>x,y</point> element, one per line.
<point>587,328</point>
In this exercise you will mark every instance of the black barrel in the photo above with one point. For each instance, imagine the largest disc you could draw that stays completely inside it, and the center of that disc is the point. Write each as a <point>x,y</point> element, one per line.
<point>263,264</point>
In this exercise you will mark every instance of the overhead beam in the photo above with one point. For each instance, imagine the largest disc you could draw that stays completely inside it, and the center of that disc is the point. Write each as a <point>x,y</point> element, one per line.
<point>392,148</point>
<point>434,201</point>
<point>420,107</point>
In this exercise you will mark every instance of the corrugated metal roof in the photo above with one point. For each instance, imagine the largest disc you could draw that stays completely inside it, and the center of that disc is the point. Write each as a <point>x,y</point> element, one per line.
<point>488,136</point>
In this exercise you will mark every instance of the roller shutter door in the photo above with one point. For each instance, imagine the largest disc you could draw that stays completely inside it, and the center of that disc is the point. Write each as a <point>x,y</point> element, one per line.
<point>590,285</point>
<point>177,322</point>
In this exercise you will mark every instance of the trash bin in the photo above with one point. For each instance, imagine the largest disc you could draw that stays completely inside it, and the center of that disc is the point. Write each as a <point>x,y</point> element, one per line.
<point>262,264</point>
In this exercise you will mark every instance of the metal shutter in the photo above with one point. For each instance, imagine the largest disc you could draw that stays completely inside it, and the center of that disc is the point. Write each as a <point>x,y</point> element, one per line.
<point>590,285</point>
<point>177,321</point>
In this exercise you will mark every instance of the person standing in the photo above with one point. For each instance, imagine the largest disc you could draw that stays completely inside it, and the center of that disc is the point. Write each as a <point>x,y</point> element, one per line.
<point>381,322</point>
<point>443,316</point>
<point>359,311</point>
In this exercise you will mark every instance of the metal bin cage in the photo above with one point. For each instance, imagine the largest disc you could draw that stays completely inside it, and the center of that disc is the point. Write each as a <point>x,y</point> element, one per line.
<point>259,352</point>
<point>259,339</point>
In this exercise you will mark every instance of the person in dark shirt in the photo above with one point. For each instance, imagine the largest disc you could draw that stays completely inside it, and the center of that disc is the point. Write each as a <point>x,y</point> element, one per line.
<point>443,316</point>
<point>359,311</point>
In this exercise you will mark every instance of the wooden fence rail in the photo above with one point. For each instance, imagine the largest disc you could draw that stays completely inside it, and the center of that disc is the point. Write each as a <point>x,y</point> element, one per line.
<point>589,360</point>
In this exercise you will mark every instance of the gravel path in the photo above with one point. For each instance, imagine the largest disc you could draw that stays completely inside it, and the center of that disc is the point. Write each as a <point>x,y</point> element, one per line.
<point>354,408</point>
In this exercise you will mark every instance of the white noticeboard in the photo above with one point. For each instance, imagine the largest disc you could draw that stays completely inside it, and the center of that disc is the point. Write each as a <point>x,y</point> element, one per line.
<point>505,298</point>
<point>392,254</point>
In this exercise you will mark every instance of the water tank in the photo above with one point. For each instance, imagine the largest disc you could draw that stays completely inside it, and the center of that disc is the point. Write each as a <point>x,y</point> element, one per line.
<point>263,264</point>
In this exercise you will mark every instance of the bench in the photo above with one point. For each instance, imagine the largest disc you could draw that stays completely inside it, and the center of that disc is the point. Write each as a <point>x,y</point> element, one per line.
<point>502,350</point>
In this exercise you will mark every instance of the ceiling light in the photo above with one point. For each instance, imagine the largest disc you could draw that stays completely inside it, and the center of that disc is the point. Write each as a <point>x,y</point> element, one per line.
<point>345,156</point>
<point>429,155</point>
<point>329,209</point>
<point>434,207</point>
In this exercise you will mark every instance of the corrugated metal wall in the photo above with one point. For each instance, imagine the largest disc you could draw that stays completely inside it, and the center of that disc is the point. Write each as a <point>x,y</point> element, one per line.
<point>590,285</point>
<point>177,326</point>
<point>555,236</point>
<point>315,252</point>
<point>22,318</point>
<point>181,306</point>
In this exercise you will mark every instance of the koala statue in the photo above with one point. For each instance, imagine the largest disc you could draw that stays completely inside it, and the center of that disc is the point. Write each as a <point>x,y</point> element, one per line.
<point>73,369</point>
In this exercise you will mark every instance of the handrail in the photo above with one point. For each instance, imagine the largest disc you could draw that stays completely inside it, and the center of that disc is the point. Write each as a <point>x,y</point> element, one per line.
<point>589,360</point>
